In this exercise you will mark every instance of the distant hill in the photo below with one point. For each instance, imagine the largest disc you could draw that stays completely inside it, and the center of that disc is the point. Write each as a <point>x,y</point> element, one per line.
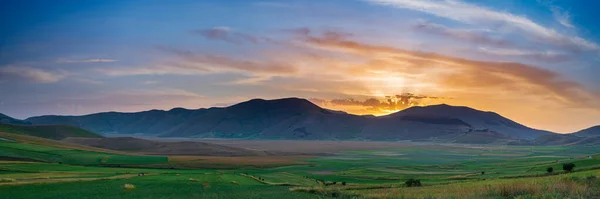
<point>294,118</point>
<point>478,120</point>
<point>9,120</point>
<point>592,131</point>
<point>55,132</point>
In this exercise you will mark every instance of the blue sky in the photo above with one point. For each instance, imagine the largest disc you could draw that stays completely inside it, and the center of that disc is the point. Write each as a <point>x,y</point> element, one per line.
<point>534,61</point>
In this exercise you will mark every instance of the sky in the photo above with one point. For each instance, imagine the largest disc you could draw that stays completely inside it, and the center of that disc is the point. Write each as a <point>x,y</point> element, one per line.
<point>536,62</point>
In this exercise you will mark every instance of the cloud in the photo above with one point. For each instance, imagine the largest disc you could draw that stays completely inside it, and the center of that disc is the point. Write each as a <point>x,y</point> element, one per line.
<point>545,56</point>
<point>29,73</point>
<point>189,63</point>
<point>228,35</point>
<point>473,36</point>
<point>388,104</point>
<point>86,61</point>
<point>458,74</point>
<point>476,15</point>
<point>562,16</point>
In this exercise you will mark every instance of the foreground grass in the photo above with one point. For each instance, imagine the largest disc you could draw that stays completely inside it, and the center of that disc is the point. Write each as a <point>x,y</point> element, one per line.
<point>214,184</point>
<point>573,185</point>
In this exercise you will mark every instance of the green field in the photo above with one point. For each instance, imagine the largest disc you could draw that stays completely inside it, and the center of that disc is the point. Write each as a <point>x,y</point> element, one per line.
<point>457,170</point>
<point>55,132</point>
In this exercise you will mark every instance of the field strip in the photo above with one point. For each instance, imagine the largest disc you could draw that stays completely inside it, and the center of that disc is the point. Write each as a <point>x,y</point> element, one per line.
<point>43,181</point>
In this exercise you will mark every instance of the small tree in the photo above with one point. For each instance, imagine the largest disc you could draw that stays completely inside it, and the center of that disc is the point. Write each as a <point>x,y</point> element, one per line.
<point>413,183</point>
<point>483,172</point>
<point>550,169</point>
<point>568,167</point>
<point>344,183</point>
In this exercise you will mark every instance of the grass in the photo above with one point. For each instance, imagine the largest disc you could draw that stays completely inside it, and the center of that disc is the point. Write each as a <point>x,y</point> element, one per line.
<point>452,171</point>
<point>55,132</point>
<point>573,185</point>
<point>73,156</point>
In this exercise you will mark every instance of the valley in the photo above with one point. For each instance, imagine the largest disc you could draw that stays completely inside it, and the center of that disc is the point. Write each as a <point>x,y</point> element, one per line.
<point>454,153</point>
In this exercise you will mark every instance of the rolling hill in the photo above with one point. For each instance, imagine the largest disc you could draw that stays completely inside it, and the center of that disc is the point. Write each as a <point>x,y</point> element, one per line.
<point>55,132</point>
<point>589,132</point>
<point>151,147</point>
<point>9,120</point>
<point>294,118</point>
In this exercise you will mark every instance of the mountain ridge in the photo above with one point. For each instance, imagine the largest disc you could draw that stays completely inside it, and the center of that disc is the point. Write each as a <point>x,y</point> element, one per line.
<point>297,118</point>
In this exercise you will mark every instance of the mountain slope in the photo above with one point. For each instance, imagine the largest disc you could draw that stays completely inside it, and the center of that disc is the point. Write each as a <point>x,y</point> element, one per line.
<point>592,131</point>
<point>294,118</point>
<point>478,120</point>
<point>55,132</point>
<point>9,120</point>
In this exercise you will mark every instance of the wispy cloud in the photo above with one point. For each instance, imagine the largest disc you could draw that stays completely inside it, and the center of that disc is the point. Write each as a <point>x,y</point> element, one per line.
<point>542,56</point>
<point>477,37</point>
<point>190,63</point>
<point>375,106</point>
<point>86,61</point>
<point>31,74</point>
<point>477,15</point>
<point>227,34</point>
<point>562,16</point>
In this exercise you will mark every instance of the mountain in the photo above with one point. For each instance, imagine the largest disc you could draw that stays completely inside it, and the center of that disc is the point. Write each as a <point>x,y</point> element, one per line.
<point>55,132</point>
<point>478,120</point>
<point>294,118</point>
<point>592,131</point>
<point>9,120</point>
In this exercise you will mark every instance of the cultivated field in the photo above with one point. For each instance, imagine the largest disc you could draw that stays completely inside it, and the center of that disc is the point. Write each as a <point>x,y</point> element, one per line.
<point>346,170</point>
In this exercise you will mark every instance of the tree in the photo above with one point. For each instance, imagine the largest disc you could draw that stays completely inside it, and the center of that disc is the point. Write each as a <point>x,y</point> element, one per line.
<point>550,169</point>
<point>568,167</point>
<point>413,183</point>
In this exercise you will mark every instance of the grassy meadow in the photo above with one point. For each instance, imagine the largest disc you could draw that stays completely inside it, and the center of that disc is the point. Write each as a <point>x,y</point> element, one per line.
<point>31,170</point>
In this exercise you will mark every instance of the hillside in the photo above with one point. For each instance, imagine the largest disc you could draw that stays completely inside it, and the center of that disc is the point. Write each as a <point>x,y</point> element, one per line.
<point>294,118</point>
<point>592,131</point>
<point>478,120</point>
<point>55,132</point>
<point>9,120</point>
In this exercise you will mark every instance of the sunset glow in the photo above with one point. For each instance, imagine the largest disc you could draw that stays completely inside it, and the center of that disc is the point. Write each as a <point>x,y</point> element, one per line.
<point>361,56</point>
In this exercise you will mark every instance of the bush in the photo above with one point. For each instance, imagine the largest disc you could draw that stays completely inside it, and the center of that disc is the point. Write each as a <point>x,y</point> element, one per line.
<point>344,183</point>
<point>7,180</point>
<point>129,187</point>
<point>568,167</point>
<point>413,183</point>
<point>549,169</point>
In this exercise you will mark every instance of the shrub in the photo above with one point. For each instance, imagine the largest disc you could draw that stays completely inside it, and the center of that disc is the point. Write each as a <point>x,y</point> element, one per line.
<point>129,187</point>
<point>483,172</point>
<point>7,180</point>
<point>568,167</point>
<point>549,169</point>
<point>344,183</point>
<point>413,183</point>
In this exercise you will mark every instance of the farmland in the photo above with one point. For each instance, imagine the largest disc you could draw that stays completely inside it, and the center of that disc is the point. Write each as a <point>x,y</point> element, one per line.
<point>359,171</point>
